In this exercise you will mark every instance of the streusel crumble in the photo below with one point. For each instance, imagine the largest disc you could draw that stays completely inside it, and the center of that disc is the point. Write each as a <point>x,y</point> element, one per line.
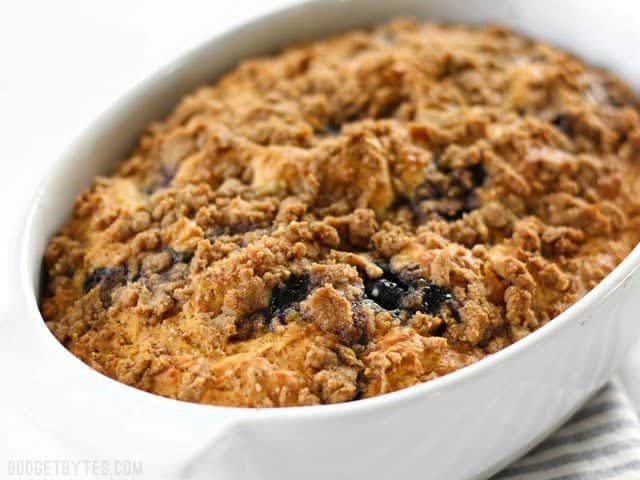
<point>350,217</point>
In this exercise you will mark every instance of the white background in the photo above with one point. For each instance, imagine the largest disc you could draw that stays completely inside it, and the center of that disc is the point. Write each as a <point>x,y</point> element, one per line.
<point>61,63</point>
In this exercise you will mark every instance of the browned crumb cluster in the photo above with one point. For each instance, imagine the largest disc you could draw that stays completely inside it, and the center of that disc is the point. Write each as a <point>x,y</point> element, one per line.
<point>350,217</point>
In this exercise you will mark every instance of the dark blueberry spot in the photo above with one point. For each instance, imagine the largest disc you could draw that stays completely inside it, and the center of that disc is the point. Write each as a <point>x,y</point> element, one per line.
<point>440,330</point>
<point>216,231</point>
<point>564,123</point>
<point>450,214</point>
<point>454,312</point>
<point>447,194</point>
<point>95,278</point>
<point>164,177</point>
<point>287,293</point>
<point>384,292</point>
<point>433,297</point>
<point>167,174</point>
<point>388,290</point>
<point>404,298</point>
<point>240,227</point>
<point>391,275</point>
<point>237,228</point>
<point>467,204</point>
<point>419,215</point>
<point>332,129</point>
<point>431,188</point>
<point>478,174</point>
<point>470,202</point>
<point>389,109</point>
<point>108,278</point>
<point>179,257</point>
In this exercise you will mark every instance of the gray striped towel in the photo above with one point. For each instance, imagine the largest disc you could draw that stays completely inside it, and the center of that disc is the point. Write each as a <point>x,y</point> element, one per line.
<point>601,441</point>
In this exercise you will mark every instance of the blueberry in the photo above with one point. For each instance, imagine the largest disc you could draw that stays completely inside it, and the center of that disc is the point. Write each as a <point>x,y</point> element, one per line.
<point>216,231</point>
<point>332,129</point>
<point>447,194</point>
<point>100,275</point>
<point>167,174</point>
<point>391,275</point>
<point>179,257</point>
<point>433,297</point>
<point>564,123</point>
<point>393,293</point>
<point>466,204</point>
<point>388,290</point>
<point>478,174</point>
<point>108,278</point>
<point>287,293</point>
<point>385,293</point>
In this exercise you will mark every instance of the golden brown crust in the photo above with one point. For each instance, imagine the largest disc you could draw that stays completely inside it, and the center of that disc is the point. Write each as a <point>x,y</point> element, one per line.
<point>350,217</point>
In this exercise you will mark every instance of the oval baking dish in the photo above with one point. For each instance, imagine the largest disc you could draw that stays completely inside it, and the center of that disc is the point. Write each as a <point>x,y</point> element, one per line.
<point>465,425</point>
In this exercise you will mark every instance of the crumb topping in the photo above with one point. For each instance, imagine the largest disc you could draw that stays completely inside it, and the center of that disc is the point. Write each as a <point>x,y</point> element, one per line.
<point>350,217</point>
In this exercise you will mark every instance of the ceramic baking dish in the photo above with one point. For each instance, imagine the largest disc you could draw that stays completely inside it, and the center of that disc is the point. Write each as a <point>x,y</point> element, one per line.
<point>465,425</point>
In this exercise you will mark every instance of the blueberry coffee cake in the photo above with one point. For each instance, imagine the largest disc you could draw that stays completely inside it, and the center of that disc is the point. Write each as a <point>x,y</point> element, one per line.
<point>350,217</point>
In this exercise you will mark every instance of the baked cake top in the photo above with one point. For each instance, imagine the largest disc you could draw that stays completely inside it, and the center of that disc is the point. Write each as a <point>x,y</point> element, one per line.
<point>350,217</point>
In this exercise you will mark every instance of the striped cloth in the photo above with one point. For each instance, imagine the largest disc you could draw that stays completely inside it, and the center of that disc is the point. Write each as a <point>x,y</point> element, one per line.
<point>601,441</point>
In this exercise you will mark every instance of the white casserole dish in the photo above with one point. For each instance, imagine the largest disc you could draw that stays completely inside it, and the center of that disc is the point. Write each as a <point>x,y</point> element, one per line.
<point>466,425</point>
